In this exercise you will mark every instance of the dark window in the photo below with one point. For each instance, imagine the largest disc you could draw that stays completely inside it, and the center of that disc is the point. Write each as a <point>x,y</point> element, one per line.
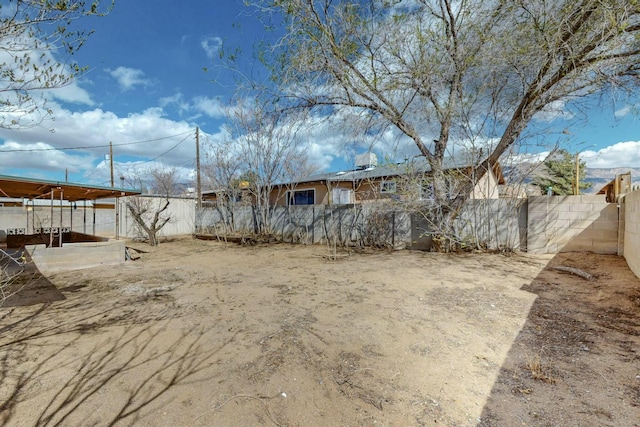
<point>388,187</point>
<point>301,197</point>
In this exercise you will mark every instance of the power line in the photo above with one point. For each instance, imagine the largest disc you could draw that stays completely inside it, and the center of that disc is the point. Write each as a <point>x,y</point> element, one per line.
<point>27,150</point>
<point>170,149</point>
<point>187,162</point>
<point>95,171</point>
<point>136,164</point>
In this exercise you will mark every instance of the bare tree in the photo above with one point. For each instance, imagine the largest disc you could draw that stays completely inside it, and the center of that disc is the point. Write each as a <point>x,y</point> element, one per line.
<point>442,72</point>
<point>271,153</point>
<point>150,213</point>
<point>32,34</point>
<point>222,172</point>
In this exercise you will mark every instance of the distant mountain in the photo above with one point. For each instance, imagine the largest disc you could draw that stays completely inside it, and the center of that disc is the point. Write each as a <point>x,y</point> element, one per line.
<point>611,173</point>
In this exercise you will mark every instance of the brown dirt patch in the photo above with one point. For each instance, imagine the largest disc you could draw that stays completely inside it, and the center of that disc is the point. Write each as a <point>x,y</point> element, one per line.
<point>585,337</point>
<point>199,333</point>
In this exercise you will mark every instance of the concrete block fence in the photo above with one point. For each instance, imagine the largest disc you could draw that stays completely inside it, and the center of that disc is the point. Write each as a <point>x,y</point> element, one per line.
<point>584,223</point>
<point>631,239</point>
<point>542,224</point>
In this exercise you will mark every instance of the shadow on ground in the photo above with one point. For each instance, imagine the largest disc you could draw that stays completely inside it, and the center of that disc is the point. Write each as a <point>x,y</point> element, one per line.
<point>22,282</point>
<point>63,361</point>
<point>576,361</point>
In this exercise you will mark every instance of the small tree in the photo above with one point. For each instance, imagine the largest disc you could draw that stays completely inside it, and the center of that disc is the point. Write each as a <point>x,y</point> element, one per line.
<point>266,140</point>
<point>221,170</point>
<point>149,213</point>
<point>559,174</point>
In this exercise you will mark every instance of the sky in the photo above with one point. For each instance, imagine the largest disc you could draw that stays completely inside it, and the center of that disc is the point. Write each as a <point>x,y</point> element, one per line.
<point>146,92</point>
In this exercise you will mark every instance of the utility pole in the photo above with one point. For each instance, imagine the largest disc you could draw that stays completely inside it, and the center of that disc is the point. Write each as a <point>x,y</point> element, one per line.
<point>111,161</point>
<point>198,182</point>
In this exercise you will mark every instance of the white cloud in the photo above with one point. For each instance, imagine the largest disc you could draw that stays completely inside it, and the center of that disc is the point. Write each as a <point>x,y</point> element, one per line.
<point>137,137</point>
<point>196,107</point>
<point>45,157</point>
<point>623,112</point>
<point>134,170</point>
<point>177,100</point>
<point>72,93</point>
<point>210,107</point>
<point>556,110</point>
<point>622,154</point>
<point>128,78</point>
<point>41,75</point>
<point>211,45</point>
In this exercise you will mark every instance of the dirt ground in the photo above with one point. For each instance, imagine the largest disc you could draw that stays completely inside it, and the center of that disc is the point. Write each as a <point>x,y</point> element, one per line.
<point>198,333</point>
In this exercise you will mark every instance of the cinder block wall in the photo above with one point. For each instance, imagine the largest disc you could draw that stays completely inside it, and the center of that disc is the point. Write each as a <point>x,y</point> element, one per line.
<point>632,231</point>
<point>572,223</point>
<point>74,256</point>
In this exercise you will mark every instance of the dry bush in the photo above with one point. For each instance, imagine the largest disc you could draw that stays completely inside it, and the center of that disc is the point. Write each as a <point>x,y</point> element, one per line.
<point>378,229</point>
<point>538,370</point>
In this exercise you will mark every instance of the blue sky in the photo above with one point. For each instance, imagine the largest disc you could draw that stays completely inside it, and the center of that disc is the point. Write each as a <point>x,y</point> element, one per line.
<point>146,92</point>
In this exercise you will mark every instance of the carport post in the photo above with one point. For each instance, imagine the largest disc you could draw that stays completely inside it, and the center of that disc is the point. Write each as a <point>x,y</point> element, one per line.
<point>60,229</point>
<point>117,206</point>
<point>51,222</point>
<point>33,217</point>
<point>94,217</point>
<point>84,218</point>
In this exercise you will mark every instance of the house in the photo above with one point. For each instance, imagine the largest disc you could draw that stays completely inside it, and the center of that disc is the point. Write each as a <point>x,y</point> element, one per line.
<point>370,182</point>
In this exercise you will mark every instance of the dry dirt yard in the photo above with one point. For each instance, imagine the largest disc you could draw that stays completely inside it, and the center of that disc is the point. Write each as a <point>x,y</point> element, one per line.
<point>198,333</point>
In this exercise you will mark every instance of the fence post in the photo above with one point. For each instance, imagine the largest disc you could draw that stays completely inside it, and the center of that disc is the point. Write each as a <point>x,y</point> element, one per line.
<point>393,229</point>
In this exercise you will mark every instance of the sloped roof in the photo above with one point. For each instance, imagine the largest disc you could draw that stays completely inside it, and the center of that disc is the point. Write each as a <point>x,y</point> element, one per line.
<point>416,165</point>
<point>11,186</point>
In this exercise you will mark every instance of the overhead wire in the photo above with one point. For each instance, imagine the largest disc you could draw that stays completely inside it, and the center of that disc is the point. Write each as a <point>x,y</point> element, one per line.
<point>94,146</point>
<point>169,150</point>
<point>187,134</point>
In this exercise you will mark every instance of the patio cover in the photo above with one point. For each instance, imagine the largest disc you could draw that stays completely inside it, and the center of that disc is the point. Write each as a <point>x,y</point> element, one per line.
<point>11,186</point>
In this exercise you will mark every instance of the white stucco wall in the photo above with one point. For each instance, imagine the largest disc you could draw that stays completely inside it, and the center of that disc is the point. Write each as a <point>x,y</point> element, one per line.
<point>181,210</point>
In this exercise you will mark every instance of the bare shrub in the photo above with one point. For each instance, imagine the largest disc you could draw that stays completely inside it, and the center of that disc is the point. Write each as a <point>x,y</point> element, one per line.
<point>538,370</point>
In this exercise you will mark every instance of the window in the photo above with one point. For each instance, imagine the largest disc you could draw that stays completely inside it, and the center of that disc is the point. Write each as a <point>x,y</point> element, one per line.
<point>388,187</point>
<point>427,192</point>
<point>341,196</point>
<point>301,197</point>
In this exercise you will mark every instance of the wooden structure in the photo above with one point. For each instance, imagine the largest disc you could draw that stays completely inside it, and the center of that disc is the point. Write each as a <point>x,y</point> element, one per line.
<point>55,191</point>
<point>619,186</point>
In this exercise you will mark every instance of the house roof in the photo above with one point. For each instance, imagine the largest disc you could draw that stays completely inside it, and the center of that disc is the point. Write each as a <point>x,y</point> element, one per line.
<point>11,186</point>
<point>416,165</point>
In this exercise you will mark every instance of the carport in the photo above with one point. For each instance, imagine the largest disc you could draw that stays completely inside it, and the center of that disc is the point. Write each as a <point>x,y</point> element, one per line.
<point>56,191</point>
<point>45,244</point>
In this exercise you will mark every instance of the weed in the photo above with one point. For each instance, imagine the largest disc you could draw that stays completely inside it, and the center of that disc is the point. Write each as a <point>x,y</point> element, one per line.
<point>538,370</point>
